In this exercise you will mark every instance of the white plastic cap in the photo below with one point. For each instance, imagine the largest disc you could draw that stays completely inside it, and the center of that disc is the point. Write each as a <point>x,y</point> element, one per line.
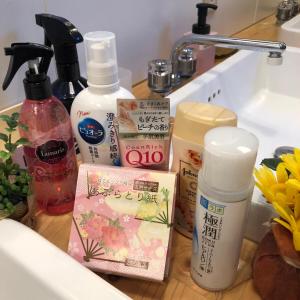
<point>229,158</point>
<point>102,67</point>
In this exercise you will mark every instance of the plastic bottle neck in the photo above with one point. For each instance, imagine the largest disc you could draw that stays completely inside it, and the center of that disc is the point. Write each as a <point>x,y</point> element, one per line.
<point>37,87</point>
<point>104,89</point>
<point>68,72</point>
<point>224,196</point>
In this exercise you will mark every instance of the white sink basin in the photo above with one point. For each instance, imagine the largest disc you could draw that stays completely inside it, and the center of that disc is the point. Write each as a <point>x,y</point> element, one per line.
<point>266,99</point>
<point>290,32</point>
<point>31,268</point>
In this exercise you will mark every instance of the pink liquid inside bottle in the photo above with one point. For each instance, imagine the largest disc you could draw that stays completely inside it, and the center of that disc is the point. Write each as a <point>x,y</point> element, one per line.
<point>50,156</point>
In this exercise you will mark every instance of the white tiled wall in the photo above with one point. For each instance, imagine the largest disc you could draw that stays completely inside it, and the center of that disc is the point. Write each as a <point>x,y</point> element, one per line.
<point>145,29</point>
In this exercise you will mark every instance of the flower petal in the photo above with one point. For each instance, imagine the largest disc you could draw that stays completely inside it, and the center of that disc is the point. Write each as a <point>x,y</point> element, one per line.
<point>291,164</point>
<point>297,208</point>
<point>284,224</point>
<point>297,155</point>
<point>281,173</point>
<point>266,192</point>
<point>284,212</point>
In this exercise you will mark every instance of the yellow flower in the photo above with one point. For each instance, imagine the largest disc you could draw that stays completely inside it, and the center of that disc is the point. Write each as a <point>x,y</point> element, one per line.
<point>292,163</point>
<point>290,222</point>
<point>282,189</point>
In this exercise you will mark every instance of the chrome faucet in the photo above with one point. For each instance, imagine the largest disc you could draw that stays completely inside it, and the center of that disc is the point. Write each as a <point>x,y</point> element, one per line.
<point>275,50</point>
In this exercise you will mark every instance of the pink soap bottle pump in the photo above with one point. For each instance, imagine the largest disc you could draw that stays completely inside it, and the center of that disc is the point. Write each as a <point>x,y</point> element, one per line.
<point>50,154</point>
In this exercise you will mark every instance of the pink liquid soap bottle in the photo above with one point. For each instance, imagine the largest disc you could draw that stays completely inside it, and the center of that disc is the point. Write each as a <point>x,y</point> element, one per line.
<point>50,154</point>
<point>205,54</point>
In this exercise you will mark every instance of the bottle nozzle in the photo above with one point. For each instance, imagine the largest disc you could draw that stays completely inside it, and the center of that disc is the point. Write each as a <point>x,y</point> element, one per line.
<point>201,27</point>
<point>24,52</point>
<point>101,58</point>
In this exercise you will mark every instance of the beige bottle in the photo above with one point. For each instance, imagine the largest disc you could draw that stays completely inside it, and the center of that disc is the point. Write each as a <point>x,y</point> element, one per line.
<point>192,121</point>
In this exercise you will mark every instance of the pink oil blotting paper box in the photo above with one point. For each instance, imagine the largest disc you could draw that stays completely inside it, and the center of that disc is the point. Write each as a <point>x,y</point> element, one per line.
<point>122,220</point>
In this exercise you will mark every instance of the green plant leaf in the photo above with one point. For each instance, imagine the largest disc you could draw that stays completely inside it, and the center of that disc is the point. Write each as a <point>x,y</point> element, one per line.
<point>3,137</point>
<point>23,126</point>
<point>10,130</point>
<point>5,118</point>
<point>15,116</point>
<point>22,141</point>
<point>4,155</point>
<point>12,123</point>
<point>10,147</point>
<point>271,163</point>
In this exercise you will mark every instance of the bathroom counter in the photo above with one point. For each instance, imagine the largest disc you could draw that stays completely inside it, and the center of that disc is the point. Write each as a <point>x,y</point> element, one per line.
<point>179,284</point>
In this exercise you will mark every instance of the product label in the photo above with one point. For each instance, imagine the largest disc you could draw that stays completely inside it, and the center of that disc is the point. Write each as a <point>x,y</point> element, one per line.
<point>188,181</point>
<point>217,237</point>
<point>91,131</point>
<point>52,160</point>
<point>101,138</point>
<point>143,116</point>
<point>52,151</point>
<point>149,153</point>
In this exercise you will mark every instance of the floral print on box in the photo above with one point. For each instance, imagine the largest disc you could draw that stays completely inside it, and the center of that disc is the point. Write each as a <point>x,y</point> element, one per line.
<point>122,220</point>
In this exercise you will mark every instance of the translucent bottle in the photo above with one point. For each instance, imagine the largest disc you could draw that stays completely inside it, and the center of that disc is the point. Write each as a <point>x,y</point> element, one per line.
<point>225,186</point>
<point>51,155</point>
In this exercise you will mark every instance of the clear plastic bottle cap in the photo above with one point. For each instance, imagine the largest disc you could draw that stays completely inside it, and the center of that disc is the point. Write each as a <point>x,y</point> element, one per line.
<point>228,159</point>
<point>102,67</point>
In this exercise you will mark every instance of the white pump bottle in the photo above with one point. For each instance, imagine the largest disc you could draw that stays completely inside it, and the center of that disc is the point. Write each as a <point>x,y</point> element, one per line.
<point>94,108</point>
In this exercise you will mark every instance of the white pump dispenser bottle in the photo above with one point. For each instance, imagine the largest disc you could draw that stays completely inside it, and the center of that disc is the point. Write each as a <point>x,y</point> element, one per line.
<point>94,108</point>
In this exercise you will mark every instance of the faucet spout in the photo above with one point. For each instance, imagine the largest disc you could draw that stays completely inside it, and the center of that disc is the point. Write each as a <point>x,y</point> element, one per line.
<point>162,81</point>
<point>275,49</point>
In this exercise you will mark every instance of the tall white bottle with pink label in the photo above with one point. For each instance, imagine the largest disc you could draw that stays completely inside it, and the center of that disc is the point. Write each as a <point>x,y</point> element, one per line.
<point>94,108</point>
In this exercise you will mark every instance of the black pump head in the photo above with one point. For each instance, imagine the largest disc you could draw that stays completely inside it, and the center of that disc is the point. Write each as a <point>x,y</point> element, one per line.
<point>36,83</point>
<point>201,27</point>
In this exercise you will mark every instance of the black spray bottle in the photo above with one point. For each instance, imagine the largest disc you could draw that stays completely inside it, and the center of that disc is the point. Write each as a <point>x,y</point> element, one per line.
<point>64,36</point>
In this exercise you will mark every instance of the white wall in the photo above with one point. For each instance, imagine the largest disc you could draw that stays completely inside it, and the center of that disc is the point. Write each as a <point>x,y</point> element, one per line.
<point>145,29</point>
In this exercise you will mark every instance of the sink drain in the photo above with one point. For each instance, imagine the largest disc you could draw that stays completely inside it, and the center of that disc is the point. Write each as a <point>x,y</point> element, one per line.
<point>283,150</point>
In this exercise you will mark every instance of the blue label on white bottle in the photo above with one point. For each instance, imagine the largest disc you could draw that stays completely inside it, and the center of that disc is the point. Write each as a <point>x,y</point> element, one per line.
<point>91,131</point>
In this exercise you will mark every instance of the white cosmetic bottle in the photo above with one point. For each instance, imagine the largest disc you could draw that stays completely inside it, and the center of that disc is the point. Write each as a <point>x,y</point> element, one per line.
<point>225,186</point>
<point>94,108</point>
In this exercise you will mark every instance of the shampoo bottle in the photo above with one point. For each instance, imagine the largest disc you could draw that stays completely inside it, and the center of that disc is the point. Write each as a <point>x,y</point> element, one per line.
<point>64,36</point>
<point>50,154</point>
<point>225,186</point>
<point>94,108</point>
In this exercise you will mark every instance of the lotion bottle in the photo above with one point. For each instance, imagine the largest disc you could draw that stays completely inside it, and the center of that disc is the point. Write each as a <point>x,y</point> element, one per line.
<point>50,154</point>
<point>94,108</point>
<point>225,186</point>
<point>192,121</point>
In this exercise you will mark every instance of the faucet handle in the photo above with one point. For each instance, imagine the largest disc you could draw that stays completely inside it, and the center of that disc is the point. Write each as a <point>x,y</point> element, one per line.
<point>186,62</point>
<point>160,75</point>
<point>285,10</point>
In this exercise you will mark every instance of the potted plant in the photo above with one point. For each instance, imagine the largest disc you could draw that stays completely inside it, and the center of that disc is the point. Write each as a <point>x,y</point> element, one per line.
<point>15,200</point>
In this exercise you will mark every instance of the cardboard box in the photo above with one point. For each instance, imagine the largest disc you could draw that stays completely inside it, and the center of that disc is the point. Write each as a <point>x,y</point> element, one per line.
<point>122,220</point>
